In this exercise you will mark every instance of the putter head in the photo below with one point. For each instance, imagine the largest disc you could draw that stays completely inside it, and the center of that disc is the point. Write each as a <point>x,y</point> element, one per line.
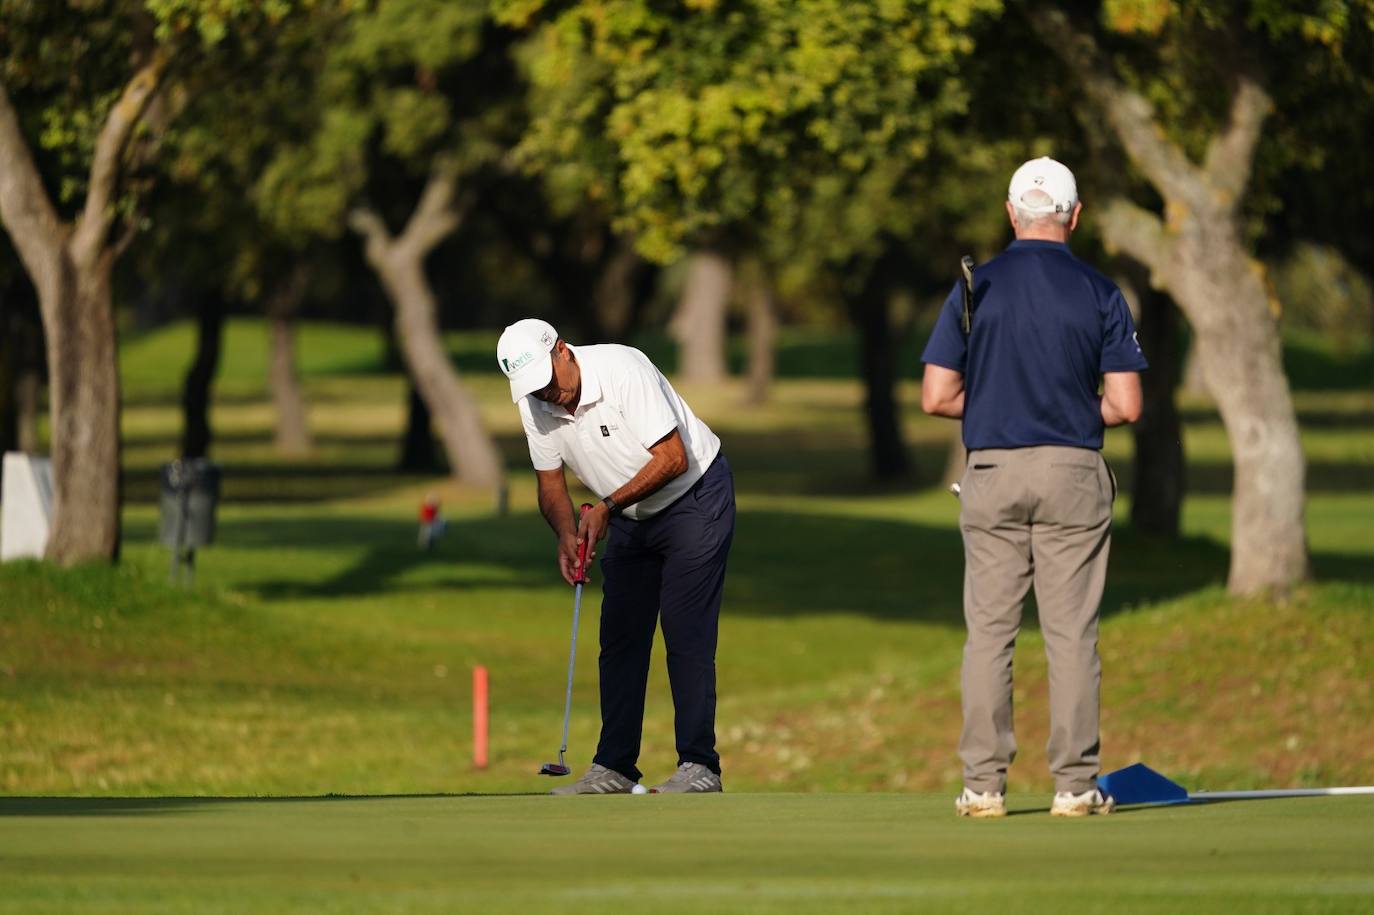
<point>554,769</point>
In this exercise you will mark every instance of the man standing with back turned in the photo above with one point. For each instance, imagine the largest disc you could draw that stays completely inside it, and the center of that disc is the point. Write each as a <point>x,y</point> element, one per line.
<point>1036,494</point>
<point>668,501</point>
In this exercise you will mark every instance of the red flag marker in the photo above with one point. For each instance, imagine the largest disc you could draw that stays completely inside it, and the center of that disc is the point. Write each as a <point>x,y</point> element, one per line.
<point>479,717</point>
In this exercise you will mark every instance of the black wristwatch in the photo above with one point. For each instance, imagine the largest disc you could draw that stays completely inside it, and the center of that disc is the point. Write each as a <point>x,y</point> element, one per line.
<point>611,505</point>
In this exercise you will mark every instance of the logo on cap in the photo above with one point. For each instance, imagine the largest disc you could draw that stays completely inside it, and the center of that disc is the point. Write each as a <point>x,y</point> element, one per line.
<point>522,360</point>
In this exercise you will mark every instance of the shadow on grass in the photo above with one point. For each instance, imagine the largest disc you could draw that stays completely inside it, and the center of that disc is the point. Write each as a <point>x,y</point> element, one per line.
<point>154,806</point>
<point>782,563</point>
<point>1217,478</point>
<point>284,483</point>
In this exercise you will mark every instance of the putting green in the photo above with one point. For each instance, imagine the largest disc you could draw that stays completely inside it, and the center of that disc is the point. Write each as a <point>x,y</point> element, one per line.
<point>726,853</point>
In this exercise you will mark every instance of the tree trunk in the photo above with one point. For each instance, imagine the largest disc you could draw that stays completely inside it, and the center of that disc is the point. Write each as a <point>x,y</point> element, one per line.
<point>763,337</point>
<point>1197,256</point>
<point>1193,381</point>
<point>618,290</point>
<point>870,309</point>
<point>70,266</point>
<point>293,431</point>
<point>195,396</point>
<point>399,263</point>
<point>83,397</point>
<point>1160,471</point>
<point>1241,361</point>
<point>699,324</point>
<point>417,445</point>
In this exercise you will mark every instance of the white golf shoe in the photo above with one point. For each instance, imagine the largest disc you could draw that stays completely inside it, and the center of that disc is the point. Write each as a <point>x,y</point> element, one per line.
<point>987,804</point>
<point>1067,804</point>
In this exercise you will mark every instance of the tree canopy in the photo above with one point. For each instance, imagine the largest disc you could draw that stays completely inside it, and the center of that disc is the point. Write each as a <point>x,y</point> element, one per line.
<point>791,127</point>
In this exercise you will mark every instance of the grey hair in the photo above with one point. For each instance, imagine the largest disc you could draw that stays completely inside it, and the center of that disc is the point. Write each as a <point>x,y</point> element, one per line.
<point>1035,197</point>
<point>1025,218</point>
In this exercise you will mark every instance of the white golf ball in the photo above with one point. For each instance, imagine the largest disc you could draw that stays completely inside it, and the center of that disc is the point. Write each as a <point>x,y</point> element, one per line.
<point>639,789</point>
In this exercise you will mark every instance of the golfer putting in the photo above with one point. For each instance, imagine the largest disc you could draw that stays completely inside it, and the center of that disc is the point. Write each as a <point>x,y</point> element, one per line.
<point>1018,356</point>
<point>667,510</point>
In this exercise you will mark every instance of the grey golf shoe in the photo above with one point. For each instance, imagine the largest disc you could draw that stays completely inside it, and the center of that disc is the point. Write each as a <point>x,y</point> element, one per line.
<point>597,780</point>
<point>690,778</point>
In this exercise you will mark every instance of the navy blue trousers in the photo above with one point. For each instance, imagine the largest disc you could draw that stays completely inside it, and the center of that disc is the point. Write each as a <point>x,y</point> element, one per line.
<point>670,566</point>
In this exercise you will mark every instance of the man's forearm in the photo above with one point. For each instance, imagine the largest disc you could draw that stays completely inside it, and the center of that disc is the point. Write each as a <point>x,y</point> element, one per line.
<point>664,466</point>
<point>953,408</point>
<point>1112,415</point>
<point>556,506</point>
<point>942,392</point>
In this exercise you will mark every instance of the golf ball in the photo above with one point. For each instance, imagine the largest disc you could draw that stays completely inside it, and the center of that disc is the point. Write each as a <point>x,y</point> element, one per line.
<point>639,789</point>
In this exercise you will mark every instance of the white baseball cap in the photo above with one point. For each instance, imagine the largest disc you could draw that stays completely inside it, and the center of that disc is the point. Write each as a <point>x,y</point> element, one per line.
<point>523,354</point>
<point>1044,174</point>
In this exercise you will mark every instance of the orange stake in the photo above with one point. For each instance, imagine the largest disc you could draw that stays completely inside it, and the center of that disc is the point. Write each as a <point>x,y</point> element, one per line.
<point>479,717</point>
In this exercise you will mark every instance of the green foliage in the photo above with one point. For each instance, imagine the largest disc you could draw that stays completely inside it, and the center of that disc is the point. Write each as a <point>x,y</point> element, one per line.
<point>392,94</point>
<point>66,63</point>
<point>1316,61</point>
<point>796,124</point>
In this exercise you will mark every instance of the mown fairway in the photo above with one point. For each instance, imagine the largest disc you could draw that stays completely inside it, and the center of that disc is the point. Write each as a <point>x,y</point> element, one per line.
<point>321,653</point>
<point>732,853</point>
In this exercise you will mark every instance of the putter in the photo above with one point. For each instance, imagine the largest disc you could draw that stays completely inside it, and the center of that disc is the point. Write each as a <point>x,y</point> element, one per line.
<point>561,768</point>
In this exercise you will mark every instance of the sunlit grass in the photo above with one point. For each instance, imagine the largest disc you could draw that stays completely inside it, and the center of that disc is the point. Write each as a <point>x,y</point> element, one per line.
<point>321,651</point>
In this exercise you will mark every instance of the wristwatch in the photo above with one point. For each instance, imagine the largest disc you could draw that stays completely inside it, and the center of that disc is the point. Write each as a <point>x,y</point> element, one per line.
<point>611,505</point>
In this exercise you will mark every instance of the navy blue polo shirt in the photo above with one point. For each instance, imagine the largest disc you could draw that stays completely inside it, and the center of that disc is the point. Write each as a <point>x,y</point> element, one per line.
<point>1046,327</point>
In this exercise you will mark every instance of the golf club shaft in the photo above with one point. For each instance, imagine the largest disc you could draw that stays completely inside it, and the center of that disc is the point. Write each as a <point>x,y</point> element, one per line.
<point>580,579</point>
<point>572,659</point>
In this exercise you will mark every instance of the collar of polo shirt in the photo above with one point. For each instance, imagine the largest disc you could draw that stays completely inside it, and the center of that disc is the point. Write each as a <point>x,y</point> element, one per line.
<point>591,386</point>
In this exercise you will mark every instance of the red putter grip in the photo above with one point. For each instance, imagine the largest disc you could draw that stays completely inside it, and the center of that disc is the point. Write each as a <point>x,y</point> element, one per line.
<point>580,573</point>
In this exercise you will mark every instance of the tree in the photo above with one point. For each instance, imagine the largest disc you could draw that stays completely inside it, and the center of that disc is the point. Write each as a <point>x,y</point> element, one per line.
<point>395,106</point>
<point>1160,470</point>
<point>785,132</point>
<point>1198,150</point>
<point>292,434</point>
<point>699,324</point>
<point>85,94</point>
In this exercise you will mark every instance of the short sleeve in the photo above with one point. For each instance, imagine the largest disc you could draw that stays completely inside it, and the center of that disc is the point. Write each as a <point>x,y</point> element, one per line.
<point>544,454</point>
<point>646,405</point>
<point>947,346</point>
<point>1120,348</point>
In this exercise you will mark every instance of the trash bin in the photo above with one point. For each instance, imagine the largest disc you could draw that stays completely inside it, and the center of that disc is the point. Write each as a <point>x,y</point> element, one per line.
<point>189,496</point>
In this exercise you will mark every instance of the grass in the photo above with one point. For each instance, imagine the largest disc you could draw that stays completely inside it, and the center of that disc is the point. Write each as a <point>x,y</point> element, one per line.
<point>320,653</point>
<point>783,853</point>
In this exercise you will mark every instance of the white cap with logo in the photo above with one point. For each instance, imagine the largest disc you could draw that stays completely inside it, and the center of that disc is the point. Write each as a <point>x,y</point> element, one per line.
<point>523,354</point>
<point>1052,178</point>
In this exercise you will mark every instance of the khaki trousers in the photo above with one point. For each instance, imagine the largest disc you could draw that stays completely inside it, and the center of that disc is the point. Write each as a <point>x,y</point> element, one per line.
<point>1039,516</point>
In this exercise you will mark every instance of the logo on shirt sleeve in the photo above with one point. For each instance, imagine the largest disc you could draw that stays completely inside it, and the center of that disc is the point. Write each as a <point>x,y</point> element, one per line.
<point>605,432</point>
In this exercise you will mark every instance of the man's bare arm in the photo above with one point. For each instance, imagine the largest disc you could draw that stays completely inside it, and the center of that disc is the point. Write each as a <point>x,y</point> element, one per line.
<point>1121,398</point>
<point>942,392</point>
<point>556,506</point>
<point>667,461</point>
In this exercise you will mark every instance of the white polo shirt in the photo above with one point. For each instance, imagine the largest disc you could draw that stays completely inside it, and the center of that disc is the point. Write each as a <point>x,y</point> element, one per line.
<point>626,406</point>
